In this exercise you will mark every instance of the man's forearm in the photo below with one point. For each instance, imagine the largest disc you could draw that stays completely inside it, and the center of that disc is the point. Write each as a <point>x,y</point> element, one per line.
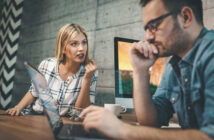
<point>144,106</point>
<point>150,133</point>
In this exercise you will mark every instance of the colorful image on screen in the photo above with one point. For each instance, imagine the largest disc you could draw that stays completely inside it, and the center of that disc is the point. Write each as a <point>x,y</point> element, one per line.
<point>126,71</point>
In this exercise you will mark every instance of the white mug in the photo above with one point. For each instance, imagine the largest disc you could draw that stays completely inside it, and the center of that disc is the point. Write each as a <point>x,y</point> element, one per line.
<point>115,108</point>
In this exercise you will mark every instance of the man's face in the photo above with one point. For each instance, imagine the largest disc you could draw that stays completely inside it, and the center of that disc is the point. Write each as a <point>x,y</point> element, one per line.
<point>168,35</point>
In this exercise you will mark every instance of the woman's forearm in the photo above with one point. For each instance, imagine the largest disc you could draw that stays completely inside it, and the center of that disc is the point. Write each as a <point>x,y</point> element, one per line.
<point>26,100</point>
<point>83,99</point>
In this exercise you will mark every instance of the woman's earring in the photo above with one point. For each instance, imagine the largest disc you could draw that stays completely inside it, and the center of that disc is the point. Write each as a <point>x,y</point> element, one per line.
<point>63,58</point>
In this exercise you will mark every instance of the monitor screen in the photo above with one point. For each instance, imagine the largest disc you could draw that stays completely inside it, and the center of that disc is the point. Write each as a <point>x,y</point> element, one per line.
<point>124,72</point>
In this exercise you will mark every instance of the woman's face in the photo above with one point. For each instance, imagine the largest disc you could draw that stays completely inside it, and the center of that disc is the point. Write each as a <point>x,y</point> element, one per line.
<point>76,49</point>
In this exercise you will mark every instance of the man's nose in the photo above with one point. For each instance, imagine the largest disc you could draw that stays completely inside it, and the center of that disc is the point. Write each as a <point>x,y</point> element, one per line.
<point>149,36</point>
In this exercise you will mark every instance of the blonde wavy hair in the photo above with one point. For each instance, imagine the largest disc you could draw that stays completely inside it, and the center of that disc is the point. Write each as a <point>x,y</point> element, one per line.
<point>65,34</point>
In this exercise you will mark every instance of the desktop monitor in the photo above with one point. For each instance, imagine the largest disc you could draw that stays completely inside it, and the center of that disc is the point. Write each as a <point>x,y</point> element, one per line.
<point>124,72</point>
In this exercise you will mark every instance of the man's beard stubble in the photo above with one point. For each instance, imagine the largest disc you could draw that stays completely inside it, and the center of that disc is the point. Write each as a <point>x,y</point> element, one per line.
<point>175,44</point>
<point>179,41</point>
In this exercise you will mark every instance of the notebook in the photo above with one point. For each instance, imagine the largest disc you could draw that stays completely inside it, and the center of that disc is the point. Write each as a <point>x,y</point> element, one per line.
<point>60,130</point>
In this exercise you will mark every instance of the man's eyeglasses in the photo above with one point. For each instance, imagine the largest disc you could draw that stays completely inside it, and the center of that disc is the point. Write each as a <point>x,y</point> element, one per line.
<point>152,26</point>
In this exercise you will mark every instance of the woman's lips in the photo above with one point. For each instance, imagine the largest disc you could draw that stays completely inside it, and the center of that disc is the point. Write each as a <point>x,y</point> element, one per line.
<point>81,56</point>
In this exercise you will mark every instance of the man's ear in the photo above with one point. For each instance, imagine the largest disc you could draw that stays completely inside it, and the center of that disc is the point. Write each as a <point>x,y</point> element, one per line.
<point>187,16</point>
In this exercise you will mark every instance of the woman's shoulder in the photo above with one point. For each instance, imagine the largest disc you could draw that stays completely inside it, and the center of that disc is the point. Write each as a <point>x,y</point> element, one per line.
<point>48,62</point>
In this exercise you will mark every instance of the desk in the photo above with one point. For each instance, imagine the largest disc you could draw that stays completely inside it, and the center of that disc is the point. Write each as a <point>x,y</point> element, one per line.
<point>25,128</point>
<point>35,127</point>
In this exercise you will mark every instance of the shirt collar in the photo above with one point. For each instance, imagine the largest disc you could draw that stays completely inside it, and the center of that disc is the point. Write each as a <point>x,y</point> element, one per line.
<point>191,54</point>
<point>189,58</point>
<point>78,74</point>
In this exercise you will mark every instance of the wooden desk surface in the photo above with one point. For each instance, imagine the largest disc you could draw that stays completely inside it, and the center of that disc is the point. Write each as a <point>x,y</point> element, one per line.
<point>24,128</point>
<point>36,127</point>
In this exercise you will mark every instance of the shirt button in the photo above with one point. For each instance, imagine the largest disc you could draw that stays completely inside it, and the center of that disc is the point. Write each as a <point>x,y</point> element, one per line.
<point>186,80</point>
<point>173,99</point>
<point>188,107</point>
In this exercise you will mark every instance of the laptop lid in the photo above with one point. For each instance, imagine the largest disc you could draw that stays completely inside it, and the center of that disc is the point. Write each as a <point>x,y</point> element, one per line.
<point>50,109</point>
<point>44,94</point>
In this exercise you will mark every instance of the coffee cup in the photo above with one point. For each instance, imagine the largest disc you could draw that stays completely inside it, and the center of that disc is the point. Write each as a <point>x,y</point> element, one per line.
<point>115,108</point>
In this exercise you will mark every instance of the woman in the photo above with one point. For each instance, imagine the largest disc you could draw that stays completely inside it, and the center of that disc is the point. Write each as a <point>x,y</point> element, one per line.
<point>71,76</point>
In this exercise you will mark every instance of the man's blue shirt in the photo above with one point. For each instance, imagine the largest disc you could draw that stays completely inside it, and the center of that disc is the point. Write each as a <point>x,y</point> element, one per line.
<point>187,87</point>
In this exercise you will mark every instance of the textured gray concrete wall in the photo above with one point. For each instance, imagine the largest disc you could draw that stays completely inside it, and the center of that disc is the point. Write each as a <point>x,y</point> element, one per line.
<point>102,19</point>
<point>208,6</point>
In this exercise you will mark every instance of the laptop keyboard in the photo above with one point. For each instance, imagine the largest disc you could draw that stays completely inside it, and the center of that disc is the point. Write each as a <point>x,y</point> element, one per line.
<point>75,130</point>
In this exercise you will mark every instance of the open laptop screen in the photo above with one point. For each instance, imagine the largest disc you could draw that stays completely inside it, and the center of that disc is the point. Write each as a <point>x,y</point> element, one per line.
<point>42,89</point>
<point>66,131</point>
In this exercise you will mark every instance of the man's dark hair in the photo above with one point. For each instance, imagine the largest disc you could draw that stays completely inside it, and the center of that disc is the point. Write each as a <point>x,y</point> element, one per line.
<point>173,5</point>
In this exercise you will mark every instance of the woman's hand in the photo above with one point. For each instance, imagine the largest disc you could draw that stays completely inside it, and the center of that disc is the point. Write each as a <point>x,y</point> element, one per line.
<point>15,111</point>
<point>90,69</point>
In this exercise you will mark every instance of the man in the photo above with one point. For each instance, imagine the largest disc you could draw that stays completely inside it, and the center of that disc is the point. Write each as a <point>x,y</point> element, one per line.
<point>173,28</point>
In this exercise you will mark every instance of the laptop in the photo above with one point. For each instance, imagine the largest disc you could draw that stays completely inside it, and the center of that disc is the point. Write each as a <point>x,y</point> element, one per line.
<point>61,131</point>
